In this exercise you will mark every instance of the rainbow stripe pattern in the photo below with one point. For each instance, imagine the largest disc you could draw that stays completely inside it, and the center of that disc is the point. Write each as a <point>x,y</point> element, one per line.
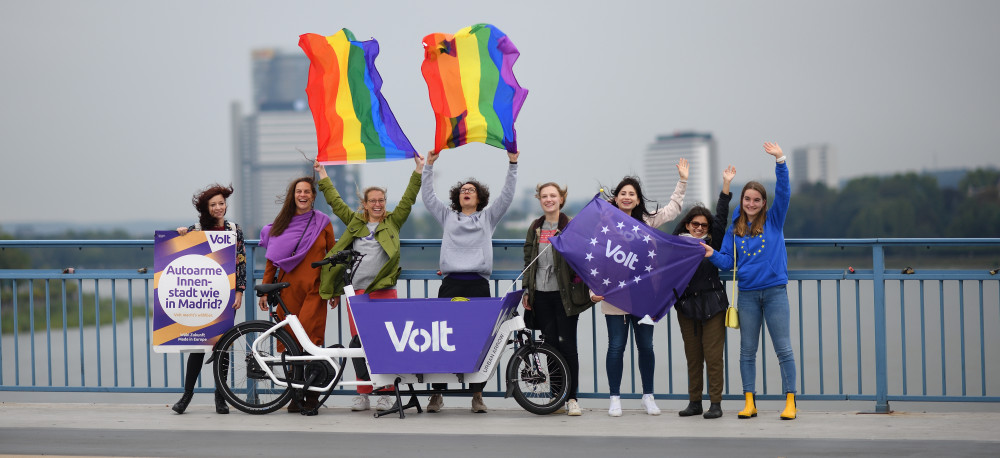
<point>472,88</point>
<point>354,123</point>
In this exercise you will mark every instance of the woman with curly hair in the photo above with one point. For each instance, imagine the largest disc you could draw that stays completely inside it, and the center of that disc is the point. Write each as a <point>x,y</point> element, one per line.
<point>466,260</point>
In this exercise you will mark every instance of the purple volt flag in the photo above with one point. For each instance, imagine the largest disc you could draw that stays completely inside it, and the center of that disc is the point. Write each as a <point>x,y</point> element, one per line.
<point>635,267</point>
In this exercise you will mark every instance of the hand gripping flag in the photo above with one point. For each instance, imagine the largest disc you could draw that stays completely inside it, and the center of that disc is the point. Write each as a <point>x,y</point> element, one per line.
<point>635,267</point>
<point>470,80</point>
<point>353,121</point>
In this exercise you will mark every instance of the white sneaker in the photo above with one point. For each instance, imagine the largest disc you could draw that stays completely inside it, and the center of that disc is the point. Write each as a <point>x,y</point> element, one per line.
<point>616,406</point>
<point>650,404</point>
<point>361,403</point>
<point>384,402</point>
<point>573,408</point>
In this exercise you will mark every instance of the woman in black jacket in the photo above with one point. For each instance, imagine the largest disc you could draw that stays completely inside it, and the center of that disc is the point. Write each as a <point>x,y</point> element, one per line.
<point>701,309</point>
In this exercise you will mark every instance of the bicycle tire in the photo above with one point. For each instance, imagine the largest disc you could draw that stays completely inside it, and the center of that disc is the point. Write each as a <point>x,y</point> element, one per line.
<point>540,378</point>
<point>237,375</point>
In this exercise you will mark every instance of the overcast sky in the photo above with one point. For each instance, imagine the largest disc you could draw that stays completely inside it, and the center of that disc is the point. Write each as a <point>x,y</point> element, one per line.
<point>119,110</point>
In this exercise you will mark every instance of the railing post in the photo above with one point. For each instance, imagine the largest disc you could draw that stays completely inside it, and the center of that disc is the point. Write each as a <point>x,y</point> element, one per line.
<point>878,290</point>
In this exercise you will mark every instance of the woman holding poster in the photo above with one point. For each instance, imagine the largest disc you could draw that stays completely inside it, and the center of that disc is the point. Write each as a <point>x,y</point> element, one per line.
<point>552,290</point>
<point>211,206</point>
<point>466,260</point>
<point>628,198</point>
<point>373,231</point>
<point>762,276</point>
<point>298,237</point>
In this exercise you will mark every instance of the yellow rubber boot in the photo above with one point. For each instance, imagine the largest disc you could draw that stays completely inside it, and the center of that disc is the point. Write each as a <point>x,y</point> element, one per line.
<point>790,410</point>
<point>750,410</point>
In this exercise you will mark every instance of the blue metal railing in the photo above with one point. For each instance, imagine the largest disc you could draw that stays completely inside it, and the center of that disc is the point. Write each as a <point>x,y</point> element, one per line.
<point>933,344</point>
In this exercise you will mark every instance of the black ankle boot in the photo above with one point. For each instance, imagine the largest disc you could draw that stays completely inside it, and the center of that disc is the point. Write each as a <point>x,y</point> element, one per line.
<point>182,404</point>
<point>693,408</point>
<point>714,410</point>
<point>220,403</point>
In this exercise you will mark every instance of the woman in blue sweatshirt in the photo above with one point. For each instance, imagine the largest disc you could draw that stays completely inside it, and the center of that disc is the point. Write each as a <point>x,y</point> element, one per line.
<point>757,244</point>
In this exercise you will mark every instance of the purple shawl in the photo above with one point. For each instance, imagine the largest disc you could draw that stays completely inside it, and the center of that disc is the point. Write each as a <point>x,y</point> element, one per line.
<point>279,248</point>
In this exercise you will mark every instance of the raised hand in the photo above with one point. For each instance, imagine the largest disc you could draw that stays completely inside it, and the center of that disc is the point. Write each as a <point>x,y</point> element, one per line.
<point>682,168</point>
<point>320,170</point>
<point>419,160</point>
<point>432,157</point>
<point>727,178</point>
<point>513,156</point>
<point>773,149</point>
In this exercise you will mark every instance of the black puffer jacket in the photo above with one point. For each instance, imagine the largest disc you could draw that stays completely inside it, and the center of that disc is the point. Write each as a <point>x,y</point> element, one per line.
<point>705,295</point>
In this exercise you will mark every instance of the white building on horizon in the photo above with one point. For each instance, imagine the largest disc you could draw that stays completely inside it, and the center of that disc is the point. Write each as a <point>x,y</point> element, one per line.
<point>660,172</point>
<point>815,163</point>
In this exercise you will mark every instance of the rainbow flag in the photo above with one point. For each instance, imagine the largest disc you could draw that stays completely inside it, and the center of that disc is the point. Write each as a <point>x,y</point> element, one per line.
<point>353,121</point>
<point>473,91</point>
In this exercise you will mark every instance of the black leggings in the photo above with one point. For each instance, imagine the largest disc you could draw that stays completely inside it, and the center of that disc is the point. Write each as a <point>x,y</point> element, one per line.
<point>451,287</point>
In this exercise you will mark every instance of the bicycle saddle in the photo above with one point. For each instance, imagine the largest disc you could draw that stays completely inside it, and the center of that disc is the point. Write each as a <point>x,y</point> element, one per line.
<point>263,290</point>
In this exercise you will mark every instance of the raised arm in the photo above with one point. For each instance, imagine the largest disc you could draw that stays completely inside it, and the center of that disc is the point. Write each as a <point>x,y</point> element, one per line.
<point>722,207</point>
<point>402,211</point>
<point>673,208</point>
<point>499,208</point>
<point>782,186</point>
<point>340,208</point>
<point>435,206</point>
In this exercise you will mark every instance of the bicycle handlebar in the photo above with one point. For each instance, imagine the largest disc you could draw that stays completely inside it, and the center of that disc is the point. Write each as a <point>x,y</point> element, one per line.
<point>341,257</point>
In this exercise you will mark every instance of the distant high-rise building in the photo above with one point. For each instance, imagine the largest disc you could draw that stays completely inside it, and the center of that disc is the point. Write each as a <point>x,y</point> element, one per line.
<point>813,164</point>
<point>277,142</point>
<point>660,174</point>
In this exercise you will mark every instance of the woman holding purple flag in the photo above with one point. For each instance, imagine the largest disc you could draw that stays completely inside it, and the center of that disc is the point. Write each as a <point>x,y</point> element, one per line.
<point>628,198</point>
<point>701,308</point>
<point>553,292</point>
<point>756,243</point>
<point>298,237</point>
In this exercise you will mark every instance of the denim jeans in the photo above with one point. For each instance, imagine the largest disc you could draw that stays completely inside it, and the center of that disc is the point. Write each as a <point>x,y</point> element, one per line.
<point>618,326</point>
<point>765,306</point>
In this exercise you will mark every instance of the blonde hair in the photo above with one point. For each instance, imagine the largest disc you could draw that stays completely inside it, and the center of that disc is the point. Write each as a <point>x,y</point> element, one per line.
<point>364,200</point>
<point>563,192</point>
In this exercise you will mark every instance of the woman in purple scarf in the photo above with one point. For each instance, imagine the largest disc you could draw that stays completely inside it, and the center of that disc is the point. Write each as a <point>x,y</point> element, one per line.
<point>298,237</point>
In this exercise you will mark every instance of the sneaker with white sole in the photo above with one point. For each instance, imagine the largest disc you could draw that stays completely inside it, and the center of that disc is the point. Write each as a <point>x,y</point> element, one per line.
<point>361,403</point>
<point>436,403</point>
<point>573,408</point>
<point>385,402</point>
<point>650,405</point>
<point>616,406</point>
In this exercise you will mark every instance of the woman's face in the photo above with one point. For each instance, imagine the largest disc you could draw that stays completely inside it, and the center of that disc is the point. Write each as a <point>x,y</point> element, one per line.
<point>217,208</point>
<point>468,197</point>
<point>698,226</point>
<point>627,199</point>
<point>752,203</point>
<point>550,199</point>
<point>375,205</point>
<point>304,197</point>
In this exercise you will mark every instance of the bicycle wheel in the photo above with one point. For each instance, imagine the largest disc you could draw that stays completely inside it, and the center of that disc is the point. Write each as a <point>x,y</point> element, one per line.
<point>540,378</point>
<point>243,382</point>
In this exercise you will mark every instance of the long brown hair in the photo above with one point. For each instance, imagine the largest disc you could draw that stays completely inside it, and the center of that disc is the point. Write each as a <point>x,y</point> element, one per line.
<point>742,226</point>
<point>288,206</point>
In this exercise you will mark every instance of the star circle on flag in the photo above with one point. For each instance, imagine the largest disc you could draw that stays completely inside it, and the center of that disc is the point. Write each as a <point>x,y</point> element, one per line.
<point>590,256</point>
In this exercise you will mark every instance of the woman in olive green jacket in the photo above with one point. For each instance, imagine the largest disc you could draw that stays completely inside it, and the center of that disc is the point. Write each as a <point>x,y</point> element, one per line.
<point>553,292</point>
<point>373,231</point>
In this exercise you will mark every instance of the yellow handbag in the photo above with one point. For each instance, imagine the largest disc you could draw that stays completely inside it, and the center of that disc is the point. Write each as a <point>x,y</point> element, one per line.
<point>732,314</point>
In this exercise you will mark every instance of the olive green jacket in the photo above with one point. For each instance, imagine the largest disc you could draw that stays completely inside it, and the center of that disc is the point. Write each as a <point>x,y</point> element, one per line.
<point>574,293</point>
<point>386,233</point>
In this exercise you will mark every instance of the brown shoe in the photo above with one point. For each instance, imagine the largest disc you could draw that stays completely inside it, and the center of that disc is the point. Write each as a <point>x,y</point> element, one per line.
<point>435,404</point>
<point>478,406</point>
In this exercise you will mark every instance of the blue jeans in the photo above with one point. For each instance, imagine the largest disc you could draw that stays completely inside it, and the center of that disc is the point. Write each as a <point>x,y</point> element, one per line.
<point>618,326</point>
<point>755,308</point>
